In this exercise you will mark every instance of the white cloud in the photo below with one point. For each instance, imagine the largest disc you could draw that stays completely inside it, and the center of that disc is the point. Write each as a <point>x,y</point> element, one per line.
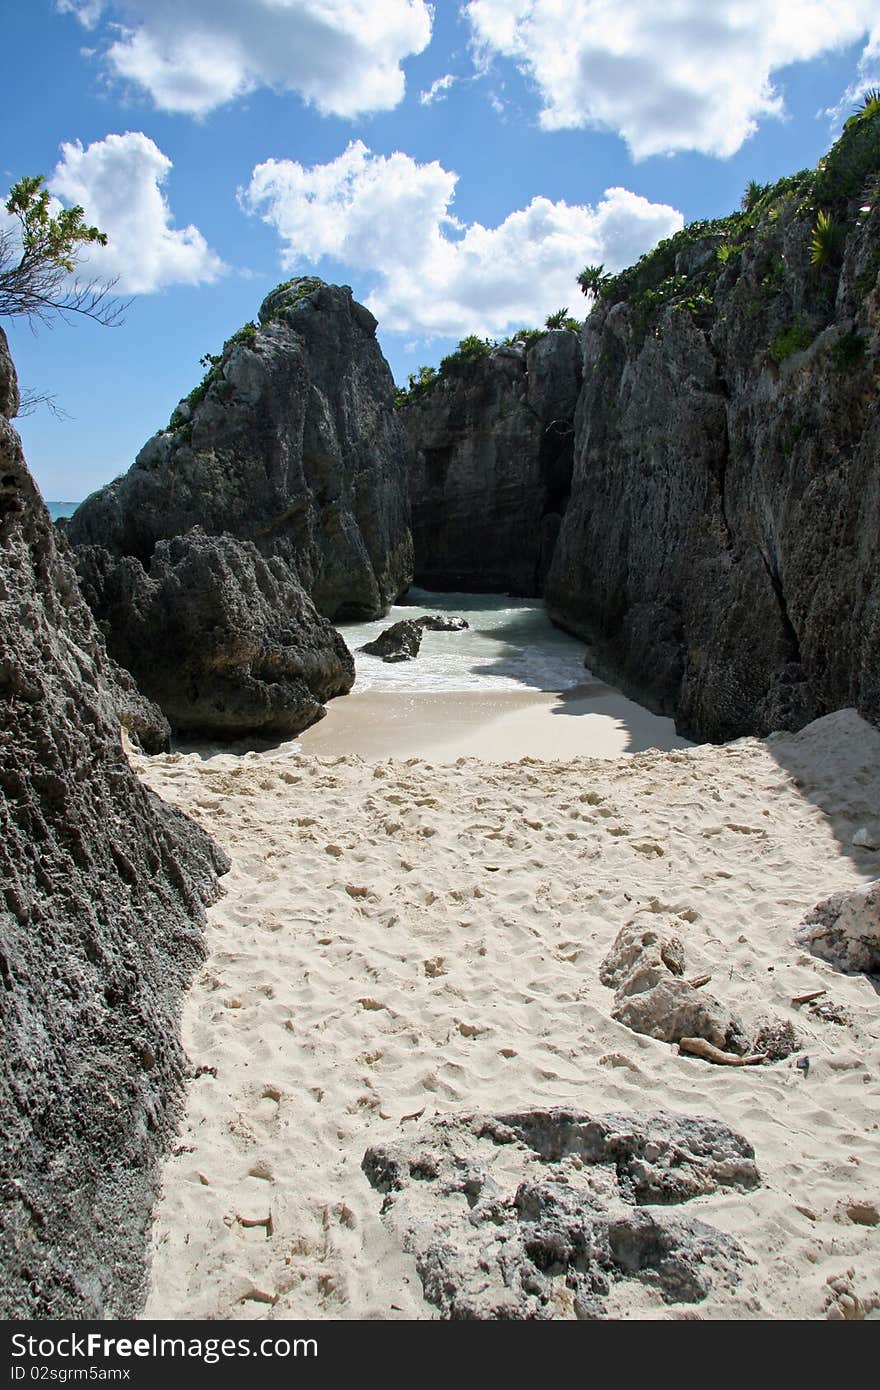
<point>342,56</point>
<point>867,81</point>
<point>666,75</point>
<point>118,183</point>
<point>437,277</point>
<point>438,89</point>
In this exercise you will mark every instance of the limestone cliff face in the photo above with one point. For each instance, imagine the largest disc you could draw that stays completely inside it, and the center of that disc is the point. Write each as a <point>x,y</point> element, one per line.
<point>493,456</point>
<point>292,452</point>
<point>293,444</point>
<point>102,893</point>
<point>721,550</point>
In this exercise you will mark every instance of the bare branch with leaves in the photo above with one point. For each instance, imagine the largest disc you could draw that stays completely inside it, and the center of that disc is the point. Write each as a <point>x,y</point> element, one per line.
<point>38,257</point>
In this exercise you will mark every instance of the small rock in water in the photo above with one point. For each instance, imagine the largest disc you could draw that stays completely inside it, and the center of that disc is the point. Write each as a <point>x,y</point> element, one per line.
<point>400,642</point>
<point>442,622</point>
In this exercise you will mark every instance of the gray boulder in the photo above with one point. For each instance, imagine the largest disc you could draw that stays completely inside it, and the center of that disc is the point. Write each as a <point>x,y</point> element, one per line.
<point>845,930</point>
<point>539,1213</point>
<point>400,642</point>
<point>223,639</point>
<point>102,894</point>
<point>292,443</point>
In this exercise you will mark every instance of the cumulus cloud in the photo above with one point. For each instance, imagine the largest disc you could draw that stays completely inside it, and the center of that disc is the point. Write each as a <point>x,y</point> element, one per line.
<point>342,56</point>
<point>666,75</point>
<point>390,218</point>
<point>118,182</point>
<point>438,90</point>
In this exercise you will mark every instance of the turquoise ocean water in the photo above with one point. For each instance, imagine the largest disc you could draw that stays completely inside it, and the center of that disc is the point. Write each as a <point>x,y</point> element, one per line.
<point>57,509</point>
<point>510,645</point>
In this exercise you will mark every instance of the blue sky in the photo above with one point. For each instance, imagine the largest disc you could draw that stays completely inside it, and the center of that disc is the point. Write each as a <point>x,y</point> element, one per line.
<point>457,165</point>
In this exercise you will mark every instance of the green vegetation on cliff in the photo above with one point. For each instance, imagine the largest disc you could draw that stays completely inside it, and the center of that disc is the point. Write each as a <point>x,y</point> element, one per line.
<point>294,292</point>
<point>683,271</point>
<point>471,350</point>
<point>831,201</point>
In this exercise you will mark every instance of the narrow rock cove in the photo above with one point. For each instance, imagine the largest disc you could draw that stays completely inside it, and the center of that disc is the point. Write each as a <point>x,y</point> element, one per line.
<point>477,945</point>
<point>512,685</point>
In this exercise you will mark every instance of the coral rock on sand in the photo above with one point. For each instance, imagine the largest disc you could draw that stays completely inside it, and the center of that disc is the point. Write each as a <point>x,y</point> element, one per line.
<point>645,965</point>
<point>673,1010</point>
<point>641,956</point>
<point>845,930</point>
<point>542,1213</point>
<point>400,642</point>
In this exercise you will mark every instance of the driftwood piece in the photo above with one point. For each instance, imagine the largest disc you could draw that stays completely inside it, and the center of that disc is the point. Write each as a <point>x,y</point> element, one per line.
<point>699,980</point>
<point>807,998</point>
<point>699,1047</point>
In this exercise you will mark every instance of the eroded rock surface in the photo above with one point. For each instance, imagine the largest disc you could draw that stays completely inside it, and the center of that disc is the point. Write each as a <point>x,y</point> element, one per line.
<point>225,640</point>
<point>543,1213</point>
<point>492,472</point>
<point>102,893</point>
<point>672,1009</point>
<point>645,967</point>
<point>276,498</point>
<point>293,444</point>
<point>845,930</point>
<point>721,550</point>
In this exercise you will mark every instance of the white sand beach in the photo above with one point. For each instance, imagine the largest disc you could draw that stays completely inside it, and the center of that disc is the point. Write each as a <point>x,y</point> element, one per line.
<point>419,934</point>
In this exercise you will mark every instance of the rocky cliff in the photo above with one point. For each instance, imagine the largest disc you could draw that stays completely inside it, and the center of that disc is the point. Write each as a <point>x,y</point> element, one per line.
<point>493,458</point>
<point>102,893</point>
<point>712,525</point>
<point>291,451</point>
<point>290,442</point>
<point>721,549</point>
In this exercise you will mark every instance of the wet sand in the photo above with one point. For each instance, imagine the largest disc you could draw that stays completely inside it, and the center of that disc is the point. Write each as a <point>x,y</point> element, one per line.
<point>590,720</point>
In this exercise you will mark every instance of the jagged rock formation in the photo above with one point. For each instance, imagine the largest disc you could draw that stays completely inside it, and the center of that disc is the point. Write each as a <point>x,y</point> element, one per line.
<point>292,451</point>
<point>493,457</point>
<point>224,640</point>
<point>542,1213</point>
<point>721,551</point>
<point>102,893</point>
<point>291,442</point>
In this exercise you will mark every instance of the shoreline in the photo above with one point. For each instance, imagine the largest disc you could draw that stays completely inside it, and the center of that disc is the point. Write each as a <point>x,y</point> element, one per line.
<point>588,720</point>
